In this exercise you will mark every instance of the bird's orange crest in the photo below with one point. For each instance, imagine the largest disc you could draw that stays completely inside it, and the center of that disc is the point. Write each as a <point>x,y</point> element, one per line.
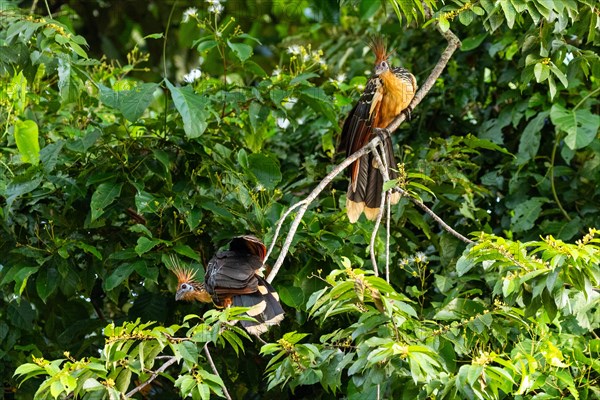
<point>187,275</point>
<point>378,46</point>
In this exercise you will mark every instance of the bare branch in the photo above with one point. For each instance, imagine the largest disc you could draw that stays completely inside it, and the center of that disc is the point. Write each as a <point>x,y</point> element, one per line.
<point>279,224</point>
<point>453,44</point>
<point>311,197</point>
<point>215,370</point>
<point>172,360</point>
<point>383,168</point>
<point>433,215</point>
<point>387,237</point>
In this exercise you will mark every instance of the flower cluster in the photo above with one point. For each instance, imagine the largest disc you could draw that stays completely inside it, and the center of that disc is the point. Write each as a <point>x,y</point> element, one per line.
<point>191,12</point>
<point>215,6</point>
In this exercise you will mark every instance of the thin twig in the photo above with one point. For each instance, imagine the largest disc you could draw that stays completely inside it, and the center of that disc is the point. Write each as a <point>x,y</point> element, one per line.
<point>453,44</point>
<point>383,168</point>
<point>280,224</point>
<point>311,197</point>
<point>433,215</point>
<point>387,236</point>
<point>154,375</point>
<point>215,370</point>
<point>388,208</point>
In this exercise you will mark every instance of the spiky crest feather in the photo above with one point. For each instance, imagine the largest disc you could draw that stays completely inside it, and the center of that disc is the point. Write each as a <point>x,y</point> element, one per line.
<point>377,45</point>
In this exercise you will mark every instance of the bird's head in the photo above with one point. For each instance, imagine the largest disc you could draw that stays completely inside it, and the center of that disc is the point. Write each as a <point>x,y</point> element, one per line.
<point>381,55</point>
<point>188,289</point>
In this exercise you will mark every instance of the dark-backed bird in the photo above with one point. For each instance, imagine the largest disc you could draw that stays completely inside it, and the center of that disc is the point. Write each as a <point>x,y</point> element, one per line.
<point>387,93</point>
<point>231,279</point>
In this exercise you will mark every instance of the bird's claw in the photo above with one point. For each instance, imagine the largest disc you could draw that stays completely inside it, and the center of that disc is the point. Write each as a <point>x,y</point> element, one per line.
<point>407,113</point>
<point>382,133</point>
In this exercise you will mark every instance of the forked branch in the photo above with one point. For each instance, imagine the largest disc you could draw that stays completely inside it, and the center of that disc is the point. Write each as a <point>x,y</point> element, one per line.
<point>453,44</point>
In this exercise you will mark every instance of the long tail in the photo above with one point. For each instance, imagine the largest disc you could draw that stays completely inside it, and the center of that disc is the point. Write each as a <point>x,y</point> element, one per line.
<point>264,307</point>
<point>364,192</point>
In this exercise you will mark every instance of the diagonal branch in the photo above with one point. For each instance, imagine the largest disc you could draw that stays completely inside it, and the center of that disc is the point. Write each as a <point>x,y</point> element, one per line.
<point>215,370</point>
<point>155,374</point>
<point>453,44</point>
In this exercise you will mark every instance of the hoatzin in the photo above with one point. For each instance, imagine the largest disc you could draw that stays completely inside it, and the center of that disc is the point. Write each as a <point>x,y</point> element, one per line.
<point>388,93</point>
<point>231,279</point>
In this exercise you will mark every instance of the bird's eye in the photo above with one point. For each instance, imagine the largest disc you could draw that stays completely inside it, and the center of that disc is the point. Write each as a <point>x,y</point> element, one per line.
<point>184,286</point>
<point>384,64</point>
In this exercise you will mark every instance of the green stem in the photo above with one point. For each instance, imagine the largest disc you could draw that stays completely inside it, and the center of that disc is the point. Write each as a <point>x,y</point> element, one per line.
<point>165,63</point>
<point>554,194</point>
<point>593,92</point>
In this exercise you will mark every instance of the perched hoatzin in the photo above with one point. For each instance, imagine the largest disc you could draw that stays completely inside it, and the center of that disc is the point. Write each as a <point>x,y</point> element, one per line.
<point>388,93</point>
<point>231,279</point>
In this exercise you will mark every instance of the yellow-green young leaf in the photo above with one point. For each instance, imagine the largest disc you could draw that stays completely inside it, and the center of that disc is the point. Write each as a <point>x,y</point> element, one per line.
<point>27,369</point>
<point>17,92</point>
<point>444,24</point>
<point>26,136</point>
<point>92,384</point>
<point>56,388</point>
<point>541,72</point>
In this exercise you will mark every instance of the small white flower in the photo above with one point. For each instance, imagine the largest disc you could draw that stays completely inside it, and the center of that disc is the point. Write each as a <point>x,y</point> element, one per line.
<point>283,123</point>
<point>294,49</point>
<point>420,257</point>
<point>340,78</point>
<point>290,102</point>
<point>276,72</point>
<point>191,12</point>
<point>192,76</point>
<point>216,8</point>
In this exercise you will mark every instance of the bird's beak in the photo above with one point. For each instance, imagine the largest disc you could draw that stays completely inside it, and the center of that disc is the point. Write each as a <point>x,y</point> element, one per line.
<point>179,294</point>
<point>380,68</point>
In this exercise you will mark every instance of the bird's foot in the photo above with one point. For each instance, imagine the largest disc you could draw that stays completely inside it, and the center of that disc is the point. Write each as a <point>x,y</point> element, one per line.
<point>407,113</point>
<point>382,133</point>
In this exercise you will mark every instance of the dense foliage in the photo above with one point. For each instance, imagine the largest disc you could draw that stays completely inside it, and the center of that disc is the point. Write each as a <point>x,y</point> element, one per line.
<point>202,124</point>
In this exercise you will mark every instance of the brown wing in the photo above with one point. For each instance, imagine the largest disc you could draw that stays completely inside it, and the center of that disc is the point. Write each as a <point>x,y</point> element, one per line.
<point>230,273</point>
<point>356,131</point>
<point>248,244</point>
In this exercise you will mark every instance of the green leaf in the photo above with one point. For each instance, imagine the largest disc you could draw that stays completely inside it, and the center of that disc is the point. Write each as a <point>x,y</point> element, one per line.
<point>119,275</point>
<point>473,42</point>
<point>192,108</point>
<point>509,12</point>
<point>144,245</point>
<point>46,282</point>
<point>319,101</point>
<point>541,72</point>
<point>189,352</point>
<point>187,251</point>
<point>49,155</point>
<point>265,169</point>
<point>291,296</point>
<point>104,195</point>
<point>530,138</point>
<point>131,103</point>
<point>67,84</point>
<point>526,213</point>
<point>444,24</point>
<point>25,369</point>
<point>466,17</point>
<point>26,137</point>
<point>241,50</point>
<point>581,126</point>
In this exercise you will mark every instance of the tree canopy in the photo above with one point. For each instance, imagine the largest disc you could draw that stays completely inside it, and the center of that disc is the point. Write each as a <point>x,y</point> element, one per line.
<point>137,136</point>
